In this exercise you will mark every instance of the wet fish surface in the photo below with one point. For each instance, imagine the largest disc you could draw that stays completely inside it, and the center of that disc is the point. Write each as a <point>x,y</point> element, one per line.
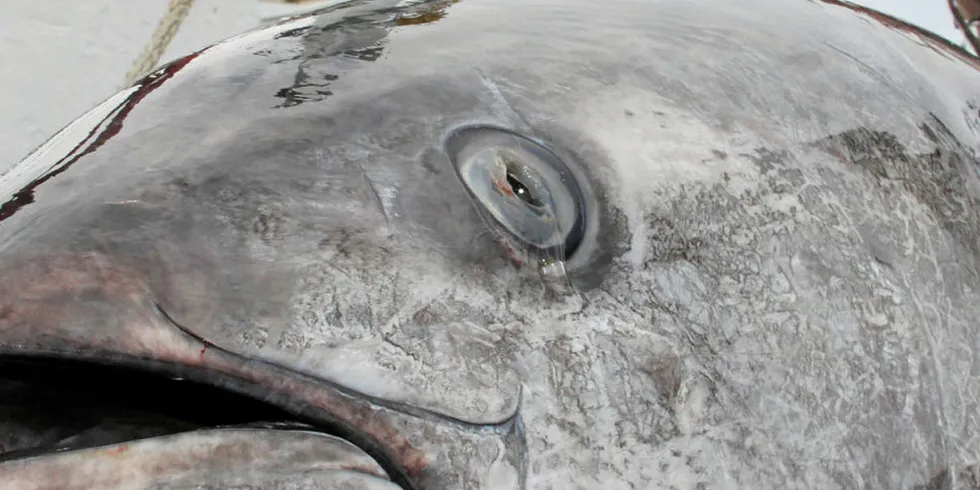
<point>508,244</point>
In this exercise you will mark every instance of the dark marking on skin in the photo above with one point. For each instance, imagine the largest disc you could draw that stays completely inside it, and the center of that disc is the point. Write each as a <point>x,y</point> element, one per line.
<point>369,53</point>
<point>620,224</point>
<point>881,260</point>
<point>720,154</point>
<point>967,479</point>
<point>666,374</point>
<point>306,87</point>
<point>972,115</point>
<point>186,331</point>
<point>317,71</point>
<point>269,226</point>
<point>298,32</point>
<point>433,12</point>
<point>423,18</point>
<point>670,242</point>
<point>766,159</point>
<point>936,178</point>
<point>427,161</point>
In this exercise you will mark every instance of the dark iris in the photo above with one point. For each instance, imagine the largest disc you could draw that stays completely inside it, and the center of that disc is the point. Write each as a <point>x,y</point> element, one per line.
<point>521,190</point>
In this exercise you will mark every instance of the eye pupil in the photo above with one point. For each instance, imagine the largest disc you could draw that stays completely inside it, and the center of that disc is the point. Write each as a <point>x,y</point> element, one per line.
<point>521,190</point>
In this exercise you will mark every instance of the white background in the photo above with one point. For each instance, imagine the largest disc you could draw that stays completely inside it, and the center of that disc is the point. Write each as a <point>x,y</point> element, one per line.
<point>61,57</point>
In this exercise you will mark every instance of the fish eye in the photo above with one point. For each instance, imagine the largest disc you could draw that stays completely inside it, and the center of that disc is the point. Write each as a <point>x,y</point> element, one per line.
<point>526,190</point>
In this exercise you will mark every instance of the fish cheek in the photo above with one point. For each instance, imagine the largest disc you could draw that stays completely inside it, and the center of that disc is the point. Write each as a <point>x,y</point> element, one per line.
<point>83,304</point>
<point>423,332</point>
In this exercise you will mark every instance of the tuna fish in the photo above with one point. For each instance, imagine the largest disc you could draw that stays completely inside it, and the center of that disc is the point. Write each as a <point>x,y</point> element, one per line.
<point>507,244</point>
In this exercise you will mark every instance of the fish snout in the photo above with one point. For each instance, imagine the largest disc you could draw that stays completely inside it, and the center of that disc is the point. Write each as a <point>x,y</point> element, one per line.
<point>53,307</point>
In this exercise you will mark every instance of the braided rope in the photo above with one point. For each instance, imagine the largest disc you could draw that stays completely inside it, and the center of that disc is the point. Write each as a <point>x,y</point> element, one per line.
<point>964,26</point>
<point>166,30</point>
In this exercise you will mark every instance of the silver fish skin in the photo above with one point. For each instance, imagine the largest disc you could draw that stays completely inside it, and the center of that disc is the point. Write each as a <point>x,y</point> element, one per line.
<point>766,272</point>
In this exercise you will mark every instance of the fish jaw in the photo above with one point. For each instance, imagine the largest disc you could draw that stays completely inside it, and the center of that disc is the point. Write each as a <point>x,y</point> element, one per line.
<point>226,456</point>
<point>94,310</point>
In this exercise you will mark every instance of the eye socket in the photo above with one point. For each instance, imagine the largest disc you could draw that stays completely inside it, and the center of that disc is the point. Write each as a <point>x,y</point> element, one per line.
<point>523,187</point>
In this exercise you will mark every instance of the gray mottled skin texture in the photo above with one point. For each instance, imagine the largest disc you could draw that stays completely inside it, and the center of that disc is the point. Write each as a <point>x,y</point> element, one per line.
<point>782,288</point>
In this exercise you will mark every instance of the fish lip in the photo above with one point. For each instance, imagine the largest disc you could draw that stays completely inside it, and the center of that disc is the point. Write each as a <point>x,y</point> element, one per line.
<point>138,335</point>
<point>197,378</point>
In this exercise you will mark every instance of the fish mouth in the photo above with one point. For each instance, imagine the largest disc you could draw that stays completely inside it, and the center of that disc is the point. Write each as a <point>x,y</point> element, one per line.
<point>97,313</point>
<point>54,405</point>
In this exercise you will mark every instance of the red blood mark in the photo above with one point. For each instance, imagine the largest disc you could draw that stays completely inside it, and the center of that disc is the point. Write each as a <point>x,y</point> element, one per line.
<point>514,256</point>
<point>204,350</point>
<point>116,451</point>
<point>504,186</point>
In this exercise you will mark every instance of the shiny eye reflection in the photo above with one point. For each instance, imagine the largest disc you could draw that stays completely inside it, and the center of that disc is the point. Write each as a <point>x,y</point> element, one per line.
<point>518,197</point>
<point>524,188</point>
<point>521,190</point>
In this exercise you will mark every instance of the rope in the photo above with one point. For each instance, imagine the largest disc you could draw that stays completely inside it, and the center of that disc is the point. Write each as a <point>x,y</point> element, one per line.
<point>964,26</point>
<point>166,30</point>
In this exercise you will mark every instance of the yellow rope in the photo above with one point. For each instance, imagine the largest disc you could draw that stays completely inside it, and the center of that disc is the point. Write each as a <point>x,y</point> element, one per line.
<point>166,30</point>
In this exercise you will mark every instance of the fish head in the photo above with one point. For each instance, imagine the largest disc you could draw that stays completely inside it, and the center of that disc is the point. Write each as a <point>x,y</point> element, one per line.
<point>537,244</point>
